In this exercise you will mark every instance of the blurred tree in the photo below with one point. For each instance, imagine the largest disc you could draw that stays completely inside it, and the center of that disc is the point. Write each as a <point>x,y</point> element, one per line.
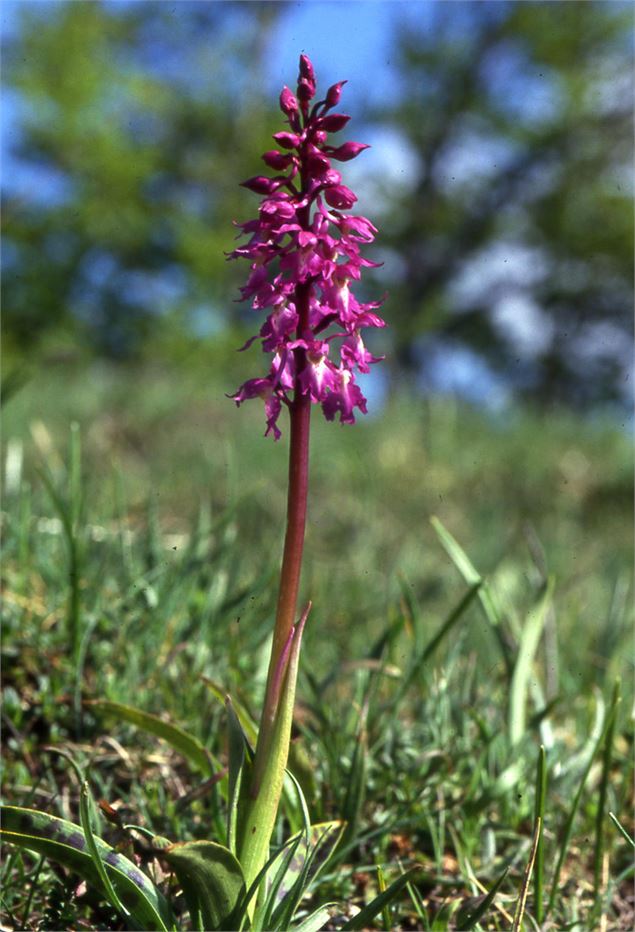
<point>511,233</point>
<point>135,121</point>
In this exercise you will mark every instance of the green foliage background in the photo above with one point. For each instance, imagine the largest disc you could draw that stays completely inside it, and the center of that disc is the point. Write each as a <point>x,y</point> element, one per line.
<point>134,124</point>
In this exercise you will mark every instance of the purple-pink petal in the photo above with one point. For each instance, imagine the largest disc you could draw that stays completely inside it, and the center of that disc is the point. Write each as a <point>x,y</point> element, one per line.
<point>340,196</point>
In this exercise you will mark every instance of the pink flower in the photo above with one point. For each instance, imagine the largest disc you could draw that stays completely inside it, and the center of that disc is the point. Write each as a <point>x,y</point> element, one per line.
<point>304,252</point>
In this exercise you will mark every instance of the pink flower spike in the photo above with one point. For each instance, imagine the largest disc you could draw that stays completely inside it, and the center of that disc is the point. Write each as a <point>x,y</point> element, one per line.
<point>304,253</point>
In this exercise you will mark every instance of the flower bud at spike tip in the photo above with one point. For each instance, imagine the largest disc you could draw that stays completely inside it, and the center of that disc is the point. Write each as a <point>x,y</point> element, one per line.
<point>306,68</point>
<point>304,252</point>
<point>334,93</point>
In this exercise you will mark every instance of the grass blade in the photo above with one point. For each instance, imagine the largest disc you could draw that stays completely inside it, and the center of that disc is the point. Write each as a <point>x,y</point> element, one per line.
<point>564,847</point>
<point>455,615</point>
<point>529,639</point>
<point>315,920</point>
<point>621,829</point>
<point>86,811</point>
<point>85,818</point>
<point>309,859</point>
<point>472,576</point>
<point>524,890</point>
<point>183,742</point>
<point>467,920</point>
<point>364,916</point>
<point>539,814</point>
<point>356,785</point>
<point>607,758</point>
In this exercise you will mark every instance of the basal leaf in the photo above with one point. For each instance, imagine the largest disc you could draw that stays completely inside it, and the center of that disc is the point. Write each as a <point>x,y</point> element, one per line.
<point>65,843</point>
<point>315,920</point>
<point>212,880</point>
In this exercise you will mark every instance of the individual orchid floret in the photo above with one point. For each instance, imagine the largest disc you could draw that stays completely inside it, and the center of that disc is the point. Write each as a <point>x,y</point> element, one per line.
<point>304,254</point>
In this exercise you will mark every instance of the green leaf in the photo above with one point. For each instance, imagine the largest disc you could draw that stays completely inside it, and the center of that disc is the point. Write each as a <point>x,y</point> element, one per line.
<point>364,916</point>
<point>176,737</point>
<point>356,785</point>
<point>607,760</point>
<point>618,825</point>
<point>246,721</point>
<point>270,762</point>
<point>315,920</point>
<point>419,662</point>
<point>472,577</point>
<point>529,639</point>
<point>85,802</point>
<point>467,918</point>
<point>539,814</point>
<point>65,843</point>
<point>568,828</point>
<point>88,816</point>
<point>240,757</point>
<point>212,880</point>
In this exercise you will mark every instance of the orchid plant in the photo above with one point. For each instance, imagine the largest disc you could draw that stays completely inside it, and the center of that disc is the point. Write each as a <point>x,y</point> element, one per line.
<point>304,254</point>
<point>304,251</point>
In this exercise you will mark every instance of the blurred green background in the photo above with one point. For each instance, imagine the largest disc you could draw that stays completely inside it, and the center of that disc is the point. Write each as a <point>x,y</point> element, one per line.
<point>500,178</point>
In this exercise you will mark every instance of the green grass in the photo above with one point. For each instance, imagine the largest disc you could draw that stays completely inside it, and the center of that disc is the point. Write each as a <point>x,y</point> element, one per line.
<point>140,557</point>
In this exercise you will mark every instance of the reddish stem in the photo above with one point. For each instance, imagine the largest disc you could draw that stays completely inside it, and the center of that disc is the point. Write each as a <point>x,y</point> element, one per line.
<point>297,494</point>
<point>300,419</point>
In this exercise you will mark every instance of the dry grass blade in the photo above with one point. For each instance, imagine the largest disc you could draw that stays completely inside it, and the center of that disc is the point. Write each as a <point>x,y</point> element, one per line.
<point>524,890</point>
